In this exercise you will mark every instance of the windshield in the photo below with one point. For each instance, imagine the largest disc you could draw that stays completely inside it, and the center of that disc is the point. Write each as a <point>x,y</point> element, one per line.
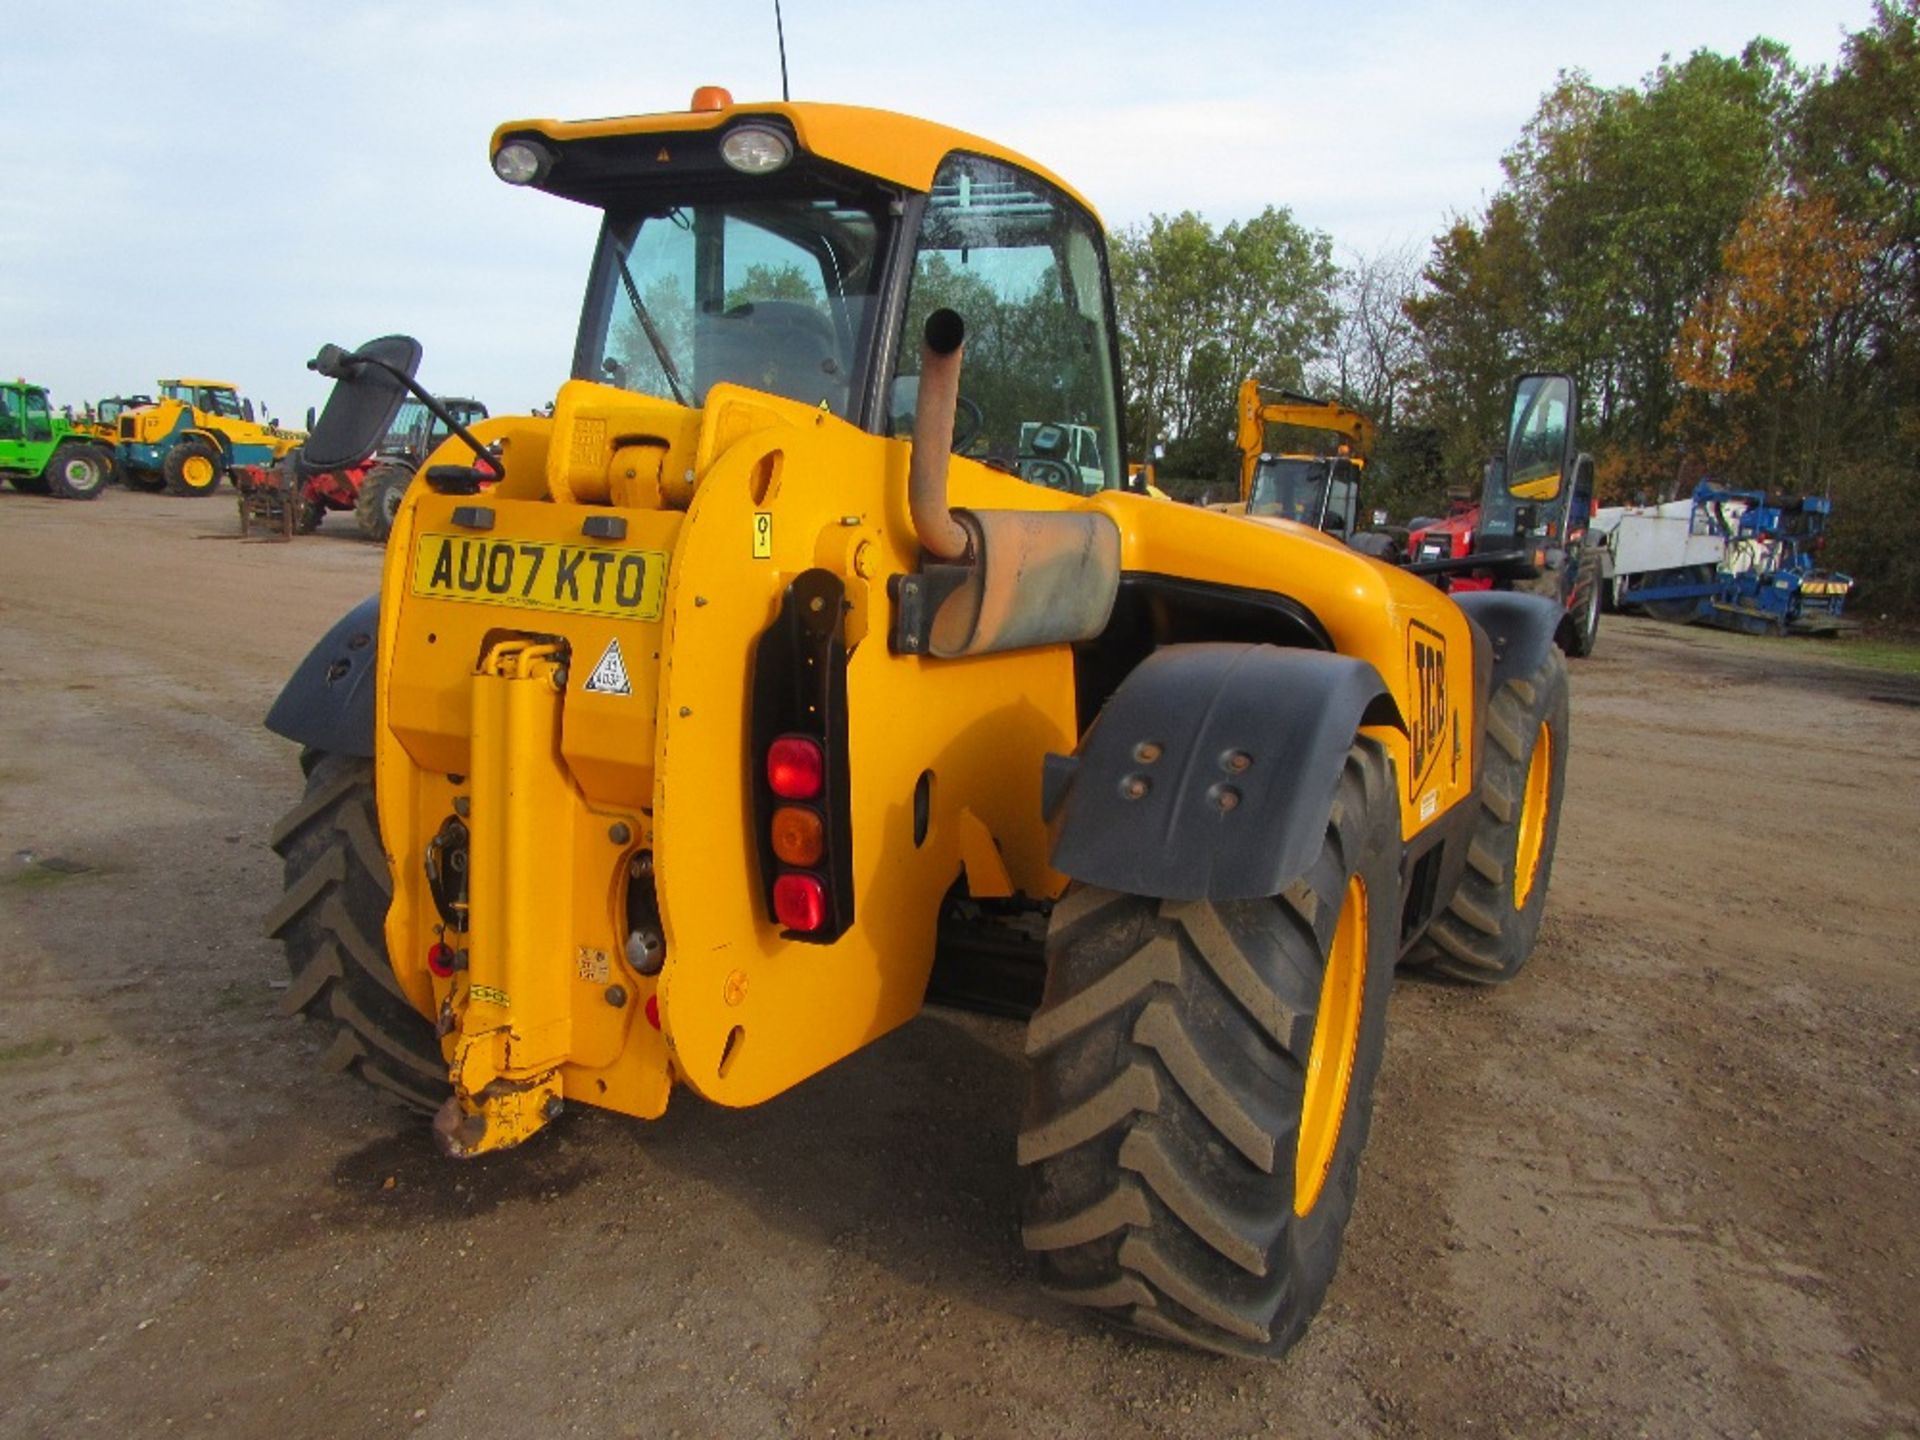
<point>1290,487</point>
<point>768,292</point>
<point>413,428</point>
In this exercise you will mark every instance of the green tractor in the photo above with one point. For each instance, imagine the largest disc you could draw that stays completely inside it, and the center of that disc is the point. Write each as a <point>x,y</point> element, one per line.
<point>41,453</point>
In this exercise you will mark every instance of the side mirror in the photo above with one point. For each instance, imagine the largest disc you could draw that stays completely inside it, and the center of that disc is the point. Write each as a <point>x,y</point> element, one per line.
<point>368,386</point>
<point>1540,435</point>
<point>309,417</point>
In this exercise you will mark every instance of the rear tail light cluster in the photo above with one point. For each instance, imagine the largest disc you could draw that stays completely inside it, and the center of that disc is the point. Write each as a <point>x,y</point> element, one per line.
<point>797,775</point>
<point>800,783</point>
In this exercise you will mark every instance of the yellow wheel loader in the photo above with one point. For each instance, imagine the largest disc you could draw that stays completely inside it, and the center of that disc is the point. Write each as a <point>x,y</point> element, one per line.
<point>706,728</point>
<point>196,432</point>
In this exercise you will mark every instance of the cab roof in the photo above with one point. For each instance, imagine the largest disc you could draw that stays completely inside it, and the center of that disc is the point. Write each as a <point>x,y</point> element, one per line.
<point>202,384</point>
<point>900,149</point>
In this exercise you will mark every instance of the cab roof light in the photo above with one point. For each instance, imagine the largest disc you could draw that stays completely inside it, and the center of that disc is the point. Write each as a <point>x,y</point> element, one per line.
<point>756,149</point>
<point>521,162</point>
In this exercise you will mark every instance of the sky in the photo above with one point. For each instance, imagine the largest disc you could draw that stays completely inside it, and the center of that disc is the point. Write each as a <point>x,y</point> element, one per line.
<point>217,190</point>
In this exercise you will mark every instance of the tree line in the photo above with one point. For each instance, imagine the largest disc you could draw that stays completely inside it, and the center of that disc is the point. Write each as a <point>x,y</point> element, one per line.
<point>1726,256</point>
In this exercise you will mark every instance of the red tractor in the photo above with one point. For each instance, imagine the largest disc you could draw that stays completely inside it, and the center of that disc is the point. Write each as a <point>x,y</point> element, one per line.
<point>1529,528</point>
<point>371,490</point>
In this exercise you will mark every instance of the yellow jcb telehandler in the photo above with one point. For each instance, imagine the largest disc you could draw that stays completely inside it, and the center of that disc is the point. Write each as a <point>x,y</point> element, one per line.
<point>757,678</point>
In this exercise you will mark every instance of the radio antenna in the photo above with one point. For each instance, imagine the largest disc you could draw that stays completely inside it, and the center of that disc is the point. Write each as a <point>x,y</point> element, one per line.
<point>780,30</point>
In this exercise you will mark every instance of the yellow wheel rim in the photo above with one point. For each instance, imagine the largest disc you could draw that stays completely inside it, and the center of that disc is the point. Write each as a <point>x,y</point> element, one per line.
<point>1336,1040</point>
<point>1533,818</point>
<point>197,472</point>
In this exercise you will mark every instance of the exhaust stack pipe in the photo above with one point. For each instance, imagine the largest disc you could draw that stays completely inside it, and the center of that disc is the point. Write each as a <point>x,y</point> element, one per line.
<point>944,537</point>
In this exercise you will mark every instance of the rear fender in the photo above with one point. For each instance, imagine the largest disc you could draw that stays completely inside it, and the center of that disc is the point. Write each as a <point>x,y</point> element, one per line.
<point>1520,626</point>
<point>328,703</point>
<point>1210,772</point>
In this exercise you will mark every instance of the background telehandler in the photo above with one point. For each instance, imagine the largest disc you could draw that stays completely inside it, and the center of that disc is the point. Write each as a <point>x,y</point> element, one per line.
<point>45,454</point>
<point>673,758</point>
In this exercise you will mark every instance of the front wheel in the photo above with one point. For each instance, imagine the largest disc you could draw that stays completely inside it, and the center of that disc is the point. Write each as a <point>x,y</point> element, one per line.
<point>1202,1087</point>
<point>77,472</point>
<point>191,468</point>
<point>1487,930</point>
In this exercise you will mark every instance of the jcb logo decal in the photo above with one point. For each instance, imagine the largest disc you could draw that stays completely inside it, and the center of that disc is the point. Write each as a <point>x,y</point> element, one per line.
<point>1427,725</point>
<point>540,575</point>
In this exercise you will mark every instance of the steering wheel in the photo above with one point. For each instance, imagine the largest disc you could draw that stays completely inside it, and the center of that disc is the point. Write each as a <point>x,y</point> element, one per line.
<point>968,421</point>
<point>1054,474</point>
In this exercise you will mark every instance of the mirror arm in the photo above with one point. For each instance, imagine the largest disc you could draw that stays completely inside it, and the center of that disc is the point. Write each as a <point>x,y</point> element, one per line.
<point>420,393</point>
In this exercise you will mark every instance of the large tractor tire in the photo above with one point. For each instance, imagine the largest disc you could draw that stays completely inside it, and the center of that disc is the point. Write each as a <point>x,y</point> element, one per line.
<point>78,472</point>
<point>381,492</point>
<point>1486,932</point>
<point>331,918</point>
<point>191,468</point>
<point>1582,630</point>
<point>1202,1086</point>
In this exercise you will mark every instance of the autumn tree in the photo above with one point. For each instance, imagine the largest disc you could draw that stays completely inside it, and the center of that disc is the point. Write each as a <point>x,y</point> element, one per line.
<point>1759,354</point>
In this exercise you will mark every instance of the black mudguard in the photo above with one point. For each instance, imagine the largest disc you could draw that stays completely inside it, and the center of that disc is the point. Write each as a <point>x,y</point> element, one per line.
<point>1521,627</point>
<point>1247,745</point>
<point>328,704</point>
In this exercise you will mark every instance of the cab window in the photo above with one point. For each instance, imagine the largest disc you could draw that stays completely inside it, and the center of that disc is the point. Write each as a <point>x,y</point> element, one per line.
<point>39,417</point>
<point>1024,267</point>
<point>768,290</point>
<point>9,414</point>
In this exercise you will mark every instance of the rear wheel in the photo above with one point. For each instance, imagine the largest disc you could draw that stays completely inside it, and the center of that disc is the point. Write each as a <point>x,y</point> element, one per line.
<point>1487,930</point>
<point>332,920</point>
<point>1202,1087</point>
<point>379,500</point>
<point>191,468</point>
<point>77,472</point>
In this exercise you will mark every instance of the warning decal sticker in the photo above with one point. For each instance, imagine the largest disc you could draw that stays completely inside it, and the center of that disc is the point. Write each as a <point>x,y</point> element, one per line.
<point>610,675</point>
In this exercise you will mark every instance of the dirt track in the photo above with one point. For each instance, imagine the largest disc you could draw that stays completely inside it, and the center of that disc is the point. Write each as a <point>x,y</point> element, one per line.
<point>1667,1183</point>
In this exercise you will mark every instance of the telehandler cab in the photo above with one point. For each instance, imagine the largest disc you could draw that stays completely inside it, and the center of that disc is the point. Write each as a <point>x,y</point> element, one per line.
<point>674,757</point>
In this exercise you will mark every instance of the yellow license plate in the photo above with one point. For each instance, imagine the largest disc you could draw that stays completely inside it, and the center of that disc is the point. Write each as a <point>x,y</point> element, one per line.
<point>541,575</point>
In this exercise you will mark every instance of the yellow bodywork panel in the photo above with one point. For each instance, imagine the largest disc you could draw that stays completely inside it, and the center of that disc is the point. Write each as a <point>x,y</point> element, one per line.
<point>1370,610</point>
<point>593,737</point>
<point>550,777</point>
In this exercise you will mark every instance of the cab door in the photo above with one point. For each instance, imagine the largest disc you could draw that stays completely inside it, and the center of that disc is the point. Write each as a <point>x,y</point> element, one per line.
<point>12,430</point>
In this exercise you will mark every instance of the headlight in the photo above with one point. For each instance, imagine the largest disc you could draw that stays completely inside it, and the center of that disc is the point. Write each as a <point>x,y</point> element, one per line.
<point>756,149</point>
<point>519,163</point>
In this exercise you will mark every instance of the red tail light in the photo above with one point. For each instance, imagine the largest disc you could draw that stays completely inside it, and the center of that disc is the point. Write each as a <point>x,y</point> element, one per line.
<point>796,767</point>
<point>800,901</point>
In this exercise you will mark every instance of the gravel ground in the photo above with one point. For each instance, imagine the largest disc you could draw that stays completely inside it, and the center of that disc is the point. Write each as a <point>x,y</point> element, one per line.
<point>1664,1184</point>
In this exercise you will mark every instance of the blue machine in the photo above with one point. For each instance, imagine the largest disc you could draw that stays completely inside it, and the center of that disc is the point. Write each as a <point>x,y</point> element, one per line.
<point>1768,581</point>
